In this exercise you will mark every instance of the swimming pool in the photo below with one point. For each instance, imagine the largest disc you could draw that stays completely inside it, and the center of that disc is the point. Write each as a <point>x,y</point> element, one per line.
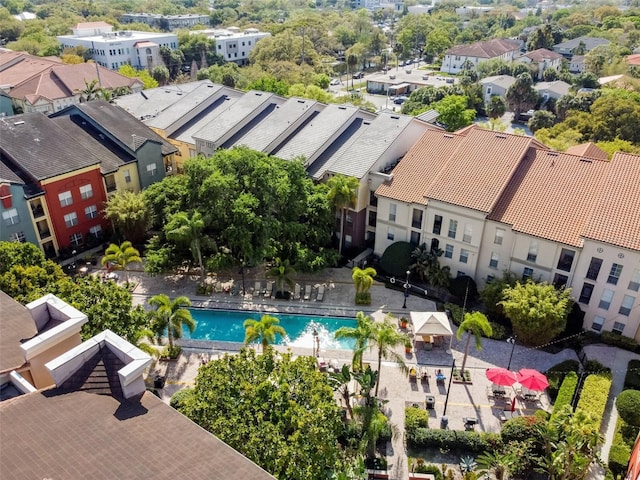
<point>226,326</point>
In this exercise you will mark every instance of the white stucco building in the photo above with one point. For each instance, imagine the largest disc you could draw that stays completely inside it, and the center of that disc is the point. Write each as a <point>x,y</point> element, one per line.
<point>234,44</point>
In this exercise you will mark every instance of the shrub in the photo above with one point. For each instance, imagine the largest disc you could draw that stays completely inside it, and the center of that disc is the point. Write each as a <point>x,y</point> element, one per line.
<point>595,392</point>
<point>628,406</point>
<point>594,366</point>
<point>619,458</point>
<point>396,259</point>
<point>520,429</point>
<point>566,392</point>
<point>363,298</point>
<point>632,379</point>
<point>415,418</point>
<point>179,399</point>
<point>499,332</point>
<point>458,288</point>
<point>453,440</point>
<point>621,341</point>
<point>429,468</point>
<point>456,313</point>
<point>556,374</point>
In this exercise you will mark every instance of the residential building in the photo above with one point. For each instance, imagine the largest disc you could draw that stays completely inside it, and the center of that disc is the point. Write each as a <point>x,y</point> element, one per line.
<point>576,64</point>
<point>403,81</point>
<point>555,89</point>
<point>232,44</point>
<point>494,202</point>
<point>112,49</point>
<point>633,60</point>
<point>495,85</point>
<point>579,46</point>
<point>373,5</point>
<point>478,52</point>
<point>166,22</point>
<point>542,59</point>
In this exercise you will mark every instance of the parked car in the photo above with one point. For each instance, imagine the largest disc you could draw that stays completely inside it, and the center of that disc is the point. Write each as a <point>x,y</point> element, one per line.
<point>358,75</point>
<point>450,80</point>
<point>400,99</point>
<point>335,81</point>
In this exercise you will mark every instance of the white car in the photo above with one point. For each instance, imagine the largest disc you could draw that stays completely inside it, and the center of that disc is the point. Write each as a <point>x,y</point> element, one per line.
<point>335,81</point>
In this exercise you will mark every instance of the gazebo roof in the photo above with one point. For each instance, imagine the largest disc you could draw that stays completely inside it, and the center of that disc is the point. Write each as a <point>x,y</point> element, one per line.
<point>431,323</point>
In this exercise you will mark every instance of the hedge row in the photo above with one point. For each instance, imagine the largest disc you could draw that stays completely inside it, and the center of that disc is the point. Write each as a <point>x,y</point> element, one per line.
<point>475,442</point>
<point>566,392</point>
<point>595,392</point>
<point>619,452</point>
<point>632,379</point>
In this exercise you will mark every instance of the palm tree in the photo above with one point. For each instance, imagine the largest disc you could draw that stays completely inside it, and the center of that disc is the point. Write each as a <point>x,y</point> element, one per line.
<point>361,333</point>
<point>363,279</point>
<point>139,337</point>
<point>91,91</point>
<point>340,383</point>
<point>475,324</point>
<point>264,330</point>
<point>188,229</point>
<point>500,463</point>
<point>421,257</point>
<point>343,193</point>
<point>119,256</point>
<point>282,272</point>
<point>386,337</point>
<point>172,316</point>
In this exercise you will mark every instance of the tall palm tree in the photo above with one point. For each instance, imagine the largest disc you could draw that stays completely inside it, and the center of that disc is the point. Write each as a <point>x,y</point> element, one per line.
<point>188,229</point>
<point>264,330</point>
<point>386,337</point>
<point>119,256</point>
<point>171,315</point>
<point>421,257</point>
<point>361,333</point>
<point>282,272</point>
<point>91,91</point>
<point>363,279</point>
<point>475,324</point>
<point>343,193</point>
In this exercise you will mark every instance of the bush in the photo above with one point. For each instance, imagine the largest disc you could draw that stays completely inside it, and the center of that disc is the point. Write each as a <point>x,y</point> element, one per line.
<point>621,341</point>
<point>594,366</point>
<point>520,429</point>
<point>566,392</point>
<point>632,379</point>
<point>429,468</point>
<point>619,458</point>
<point>456,313</point>
<point>179,399</point>
<point>595,392</point>
<point>396,259</point>
<point>628,406</point>
<point>458,288</point>
<point>171,353</point>
<point>556,374</point>
<point>499,332</point>
<point>415,418</point>
<point>363,298</point>
<point>454,440</point>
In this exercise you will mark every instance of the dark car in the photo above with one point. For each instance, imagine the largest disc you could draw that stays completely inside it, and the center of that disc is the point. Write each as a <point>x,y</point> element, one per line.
<point>400,100</point>
<point>358,75</point>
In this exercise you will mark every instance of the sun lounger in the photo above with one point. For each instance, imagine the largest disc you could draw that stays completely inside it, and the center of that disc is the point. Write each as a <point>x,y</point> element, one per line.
<point>307,292</point>
<point>296,292</point>
<point>413,374</point>
<point>267,292</point>
<point>320,296</point>
<point>257,289</point>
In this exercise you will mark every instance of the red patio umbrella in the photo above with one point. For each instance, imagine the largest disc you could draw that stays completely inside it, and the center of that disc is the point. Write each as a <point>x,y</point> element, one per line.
<point>501,376</point>
<point>532,379</point>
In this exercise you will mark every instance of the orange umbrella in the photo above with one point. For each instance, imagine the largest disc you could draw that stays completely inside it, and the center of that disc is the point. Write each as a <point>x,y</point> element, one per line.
<point>532,379</point>
<point>501,376</point>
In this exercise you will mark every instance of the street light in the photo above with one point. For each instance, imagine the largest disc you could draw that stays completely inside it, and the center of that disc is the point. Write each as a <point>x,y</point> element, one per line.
<point>406,290</point>
<point>446,400</point>
<point>512,341</point>
<point>316,343</point>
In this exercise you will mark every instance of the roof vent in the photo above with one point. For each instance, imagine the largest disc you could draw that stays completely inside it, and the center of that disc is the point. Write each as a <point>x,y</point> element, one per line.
<point>342,108</point>
<point>586,160</point>
<point>395,117</point>
<point>446,135</point>
<point>553,154</point>
<point>301,101</point>
<point>366,123</point>
<point>19,122</point>
<point>500,136</point>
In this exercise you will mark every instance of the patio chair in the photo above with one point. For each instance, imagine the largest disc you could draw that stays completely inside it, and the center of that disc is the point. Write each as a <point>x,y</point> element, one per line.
<point>322,364</point>
<point>307,292</point>
<point>267,291</point>
<point>413,374</point>
<point>257,289</point>
<point>320,295</point>
<point>296,292</point>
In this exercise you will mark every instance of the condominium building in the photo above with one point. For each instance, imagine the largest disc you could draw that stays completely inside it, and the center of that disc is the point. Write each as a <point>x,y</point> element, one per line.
<point>233,44</point>
<point>166,22</point>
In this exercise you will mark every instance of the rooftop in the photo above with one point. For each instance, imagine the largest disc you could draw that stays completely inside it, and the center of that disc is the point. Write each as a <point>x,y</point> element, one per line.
<point>16,326</point>
<point>489,49</point>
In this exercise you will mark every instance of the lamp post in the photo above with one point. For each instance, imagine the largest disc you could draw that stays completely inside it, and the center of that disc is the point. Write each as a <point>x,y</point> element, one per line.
<point>244,292</point>
<point>446,400</point>
<point>316,342</point>
<point>406,290</point>
<point>512,341</point>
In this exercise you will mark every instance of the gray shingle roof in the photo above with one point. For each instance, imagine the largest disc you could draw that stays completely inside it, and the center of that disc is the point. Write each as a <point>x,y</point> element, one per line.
<point>16,326</point>
<point>7,175</point>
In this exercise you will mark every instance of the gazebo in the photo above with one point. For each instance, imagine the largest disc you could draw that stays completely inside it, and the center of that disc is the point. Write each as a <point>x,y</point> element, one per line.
<point>432,327</point>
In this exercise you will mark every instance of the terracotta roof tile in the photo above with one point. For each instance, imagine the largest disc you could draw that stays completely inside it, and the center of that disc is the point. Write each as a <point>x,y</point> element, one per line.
<point>588,150</point>
<point>616,216</point>
<point>542,54</point>
<point>489,49</point>
<point>551,195</point>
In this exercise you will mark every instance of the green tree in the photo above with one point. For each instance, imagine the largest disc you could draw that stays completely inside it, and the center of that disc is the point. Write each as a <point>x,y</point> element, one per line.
<point>130,215</point>
<point>264,330</point>
<point>147,80</point>
<point>120,256</point>
<point>496,107</point>
<point>283,273</point>
<point>628,406</point>
<point>475,325</point>
<point>91,91</point>
<point>454,112</point>
<point>340,382</point>
<point>538,312</point>
<point>160,74</point>
<point>386,338</point>
<point>521,96</point>
<point>361,334</point>
<point>172,316</point>
<point>541,119</point>
<point>493,294</point>
<point>363,279</point>
<point>188,229</point>
<point>372,421</point>
<point>343,194</point>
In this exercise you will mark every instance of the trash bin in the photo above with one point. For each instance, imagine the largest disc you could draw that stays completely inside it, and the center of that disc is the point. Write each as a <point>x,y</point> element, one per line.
<point>444,422</point>
<point>430,401</point>
<point>158,382</point>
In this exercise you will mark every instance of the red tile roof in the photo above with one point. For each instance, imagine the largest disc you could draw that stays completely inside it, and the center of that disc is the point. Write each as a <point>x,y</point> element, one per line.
<point>588,150</point>
<point>489,49</point>
<point>634,59</point>
<point>542,54</point>
<point>17,67</point>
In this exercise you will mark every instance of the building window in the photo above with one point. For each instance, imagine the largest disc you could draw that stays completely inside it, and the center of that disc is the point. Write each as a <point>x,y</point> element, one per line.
<point>96,231</point>
<point>527,273</point>
<point>490,278</point>
<point>415,238</point>
<point>11,217</point>
<point>634,284</point>
<point>76,239</point>
<point>605,300</point>
<point>416,221</point>
<point>65,199</point>
<point>453,227</point>
<point>390,234</point>
<point>91,211</point>
<point>373,217</point>
<point>585,294</point>
<point>437,224</point>
<point>532,255</point>
<point>464,255</point>
<point>466,237</point>
<point>566,260</point>
<point>17,237</point>
<point>560,281</point>
<point>373,200</point>
<point>493,263</point>
<point>348,239</point>
<point>152,169</point>
<point>448,251</point>
<point>349,218</point>
<point>597,324</point>
<point>127,176</point>
<point>392,212</point>
<point>71,219</point>
<point>626,305</point>
<point>614,274</point>
<point>618,328</point>
<point>499,236</point>
<point>594,268</point>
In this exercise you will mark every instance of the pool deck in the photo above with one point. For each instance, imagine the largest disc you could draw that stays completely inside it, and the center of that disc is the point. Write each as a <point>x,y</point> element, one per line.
<point>462,400</point>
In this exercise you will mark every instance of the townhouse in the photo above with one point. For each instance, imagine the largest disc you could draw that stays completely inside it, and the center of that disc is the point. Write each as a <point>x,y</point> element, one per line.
<point>475,53</point>
<point>494,202</point>
<point>542,59</point>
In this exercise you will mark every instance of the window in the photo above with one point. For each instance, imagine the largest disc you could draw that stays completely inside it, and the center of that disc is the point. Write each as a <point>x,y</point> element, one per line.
<point>11,217</point>
<point>349,218</point>
<point>605,300</point>
<point>597,324</point>
<point>499,236</point>
<point>152,169</point>
<point>634,284</point>
<point>566,260</point>
<point>373,217</point>
<point>490,278</point>
<point>17,237</point>
<point>594,268</point>
<point>527,273</point>
<point>626,305</point>
<point>437,224</point>
<point>532,255</point>
<point>96,231</point>
<point>435,245</point>
<point>373,200</point>
<point>585,294</point>
<point>71,219</point>
<point>560,281</point>
<point>348,239</point>
<point>464,255</point>
<point>392,212</point>
<point>453,227</point>
<point>65,199</point>
<point>91,211</point>
<point>390,234</point>
<point>127,176</point>
<point>76,239</point>
<point>466,237</point>
<point>493,263</point>
<point>416,221</point>
<point>415,238</point>
<point>614,274</point>
<point>618,328</point>
<point>448,251</point>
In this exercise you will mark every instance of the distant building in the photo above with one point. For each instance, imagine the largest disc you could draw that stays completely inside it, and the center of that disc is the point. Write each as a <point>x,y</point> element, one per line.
<point>25,16</point>
<point>576,64</point>
<point>496,85</point>
<point>232,44</point>
<point>115,49</point>
<point>554,90</point>
<point>475,53</point>
<point>395,5</point>
<point>579,45</point>
<point>543,59</point>
<point>166,22</point>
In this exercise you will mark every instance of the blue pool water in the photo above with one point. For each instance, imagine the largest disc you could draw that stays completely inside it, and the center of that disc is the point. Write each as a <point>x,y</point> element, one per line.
<point>226,326</point>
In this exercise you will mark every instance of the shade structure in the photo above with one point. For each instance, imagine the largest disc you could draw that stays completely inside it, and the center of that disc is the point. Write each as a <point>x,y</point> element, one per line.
<point>532,379</point>
<point>501,376</point>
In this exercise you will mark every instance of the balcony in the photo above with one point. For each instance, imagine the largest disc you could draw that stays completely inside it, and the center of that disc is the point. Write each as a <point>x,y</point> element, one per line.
<point>37,211</point>
<point>111,187</point>
<point>44,234</point>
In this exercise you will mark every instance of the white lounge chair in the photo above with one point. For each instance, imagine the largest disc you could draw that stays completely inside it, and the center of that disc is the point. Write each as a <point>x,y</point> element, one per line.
<point>257,289</point>
<point>320,295</point>
<point>296,292</point>
<point>267,292</point>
